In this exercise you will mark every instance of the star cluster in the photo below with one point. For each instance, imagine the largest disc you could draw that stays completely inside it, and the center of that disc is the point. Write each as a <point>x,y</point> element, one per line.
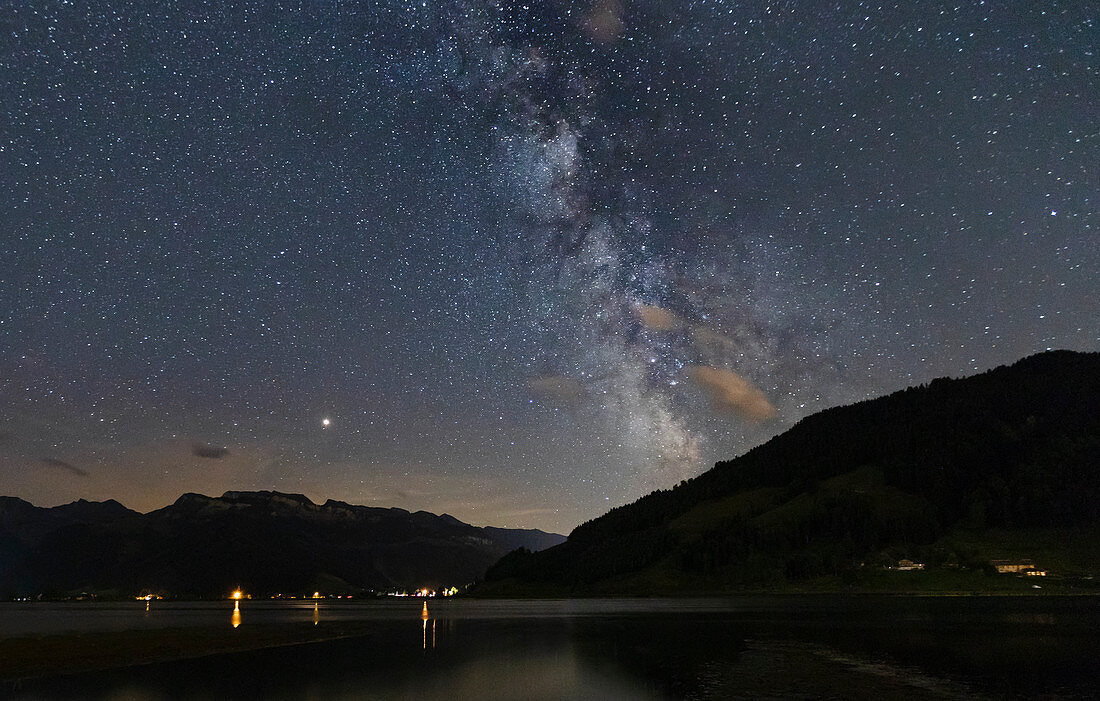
<point>517,261</point>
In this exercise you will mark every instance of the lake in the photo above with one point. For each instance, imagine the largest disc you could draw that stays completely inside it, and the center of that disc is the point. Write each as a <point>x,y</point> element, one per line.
<point>742,647</point>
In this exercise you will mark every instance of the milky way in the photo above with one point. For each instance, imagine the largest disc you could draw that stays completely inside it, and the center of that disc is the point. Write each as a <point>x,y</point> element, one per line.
<point>525,261</point>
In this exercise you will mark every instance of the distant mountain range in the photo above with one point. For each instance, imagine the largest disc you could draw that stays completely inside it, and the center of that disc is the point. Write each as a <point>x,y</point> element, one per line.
<point>265,542</point>
<point>950,474</point>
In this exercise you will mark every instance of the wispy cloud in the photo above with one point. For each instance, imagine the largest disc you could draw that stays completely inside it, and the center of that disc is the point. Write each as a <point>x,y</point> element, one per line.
<point>729,392</point>
<point>62,465</point>
<point>556,388</point>
<point>604,21</point>
<point>658,318</point>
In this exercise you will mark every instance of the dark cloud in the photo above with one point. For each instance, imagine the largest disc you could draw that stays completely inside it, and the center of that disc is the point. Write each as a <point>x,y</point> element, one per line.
<point>61,464</point>
<point>205,450</point>
<point>732,393</point>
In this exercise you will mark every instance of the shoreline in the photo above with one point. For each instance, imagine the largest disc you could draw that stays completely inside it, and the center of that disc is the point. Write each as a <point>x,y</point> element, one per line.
<point>778,593</point>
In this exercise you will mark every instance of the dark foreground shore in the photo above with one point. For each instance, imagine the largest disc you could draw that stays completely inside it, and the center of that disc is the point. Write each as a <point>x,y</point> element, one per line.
<point>69,653</point>
<point>759,669</point>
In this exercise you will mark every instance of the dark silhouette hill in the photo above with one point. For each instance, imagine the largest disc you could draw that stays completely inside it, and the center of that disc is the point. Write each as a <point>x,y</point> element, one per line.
<point>1007,461</point>
<point>266,542</point>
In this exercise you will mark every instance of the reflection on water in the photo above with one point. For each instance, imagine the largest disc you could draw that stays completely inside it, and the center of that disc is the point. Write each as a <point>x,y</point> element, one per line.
<point>741,648</point>
<point>236,618</point>
<point>424,616</point>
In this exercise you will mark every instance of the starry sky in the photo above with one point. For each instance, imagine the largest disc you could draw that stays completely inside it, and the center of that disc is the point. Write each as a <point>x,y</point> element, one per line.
<point>517,261</point>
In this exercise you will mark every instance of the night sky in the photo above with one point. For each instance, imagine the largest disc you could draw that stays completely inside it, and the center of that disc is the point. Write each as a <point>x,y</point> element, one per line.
<point>528,260</point>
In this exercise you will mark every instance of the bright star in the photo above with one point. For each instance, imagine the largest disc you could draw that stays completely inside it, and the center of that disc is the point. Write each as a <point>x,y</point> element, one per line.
<point>325,422</point>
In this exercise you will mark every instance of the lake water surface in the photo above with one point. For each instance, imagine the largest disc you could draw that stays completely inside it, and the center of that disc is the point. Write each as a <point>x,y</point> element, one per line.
<point>743,647</point>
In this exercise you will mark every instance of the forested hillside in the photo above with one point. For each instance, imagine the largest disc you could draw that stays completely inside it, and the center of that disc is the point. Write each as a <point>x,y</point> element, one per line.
<point>916,473</point>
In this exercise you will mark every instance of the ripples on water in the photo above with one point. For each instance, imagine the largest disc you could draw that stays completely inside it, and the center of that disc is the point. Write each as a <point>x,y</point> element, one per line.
<point>749,647</point>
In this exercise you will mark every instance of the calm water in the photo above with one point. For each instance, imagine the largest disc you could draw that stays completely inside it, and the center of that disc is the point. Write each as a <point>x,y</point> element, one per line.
<point>747,647</point>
